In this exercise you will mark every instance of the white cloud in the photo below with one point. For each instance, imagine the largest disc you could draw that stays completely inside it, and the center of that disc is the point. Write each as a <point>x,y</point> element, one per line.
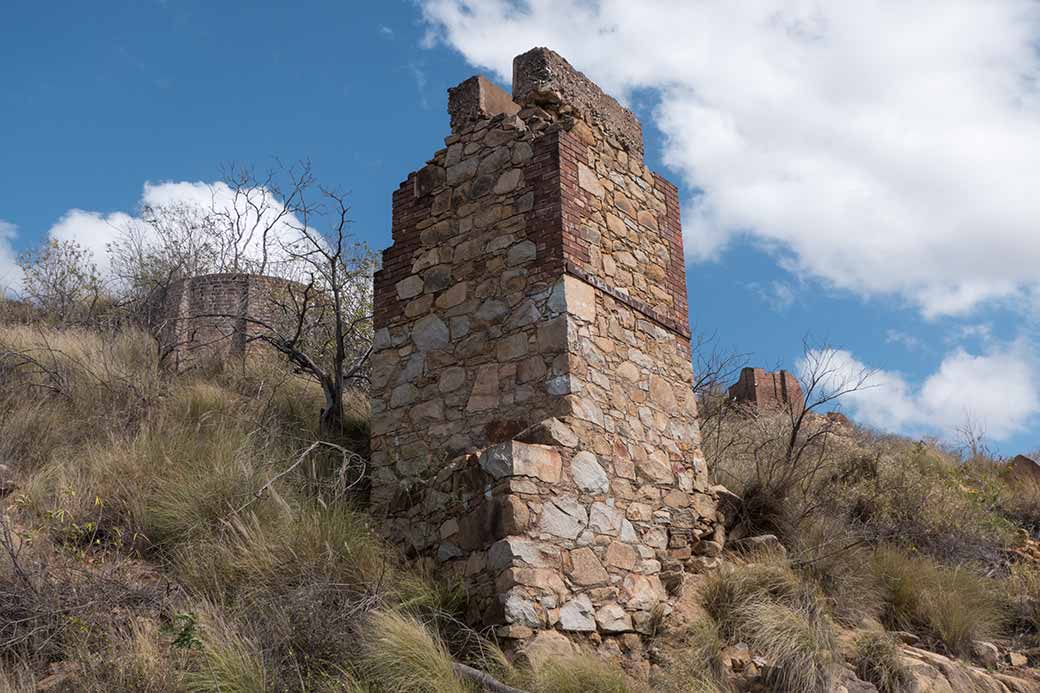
<point>777,295</point>
<point>10,273</point>
<point>899,337</point>
<point>999,389</point>
<point>886,147</point>
<point>95,230</point>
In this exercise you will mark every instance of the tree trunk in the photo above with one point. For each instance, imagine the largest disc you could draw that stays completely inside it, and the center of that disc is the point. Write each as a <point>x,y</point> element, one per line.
<point>330,424</point>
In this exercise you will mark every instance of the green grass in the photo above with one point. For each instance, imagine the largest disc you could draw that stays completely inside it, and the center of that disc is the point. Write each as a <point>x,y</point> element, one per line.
<point>231,663</point>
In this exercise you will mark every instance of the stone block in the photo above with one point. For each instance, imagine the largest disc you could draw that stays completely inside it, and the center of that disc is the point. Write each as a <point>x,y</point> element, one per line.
<point>514,458</point>
<point>475,99</point>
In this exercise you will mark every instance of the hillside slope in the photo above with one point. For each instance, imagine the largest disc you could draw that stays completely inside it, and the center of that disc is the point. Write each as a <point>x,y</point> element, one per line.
<point>193,533</point>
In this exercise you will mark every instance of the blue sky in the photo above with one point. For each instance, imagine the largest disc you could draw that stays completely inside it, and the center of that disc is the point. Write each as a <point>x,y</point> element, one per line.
<point>818,199</point>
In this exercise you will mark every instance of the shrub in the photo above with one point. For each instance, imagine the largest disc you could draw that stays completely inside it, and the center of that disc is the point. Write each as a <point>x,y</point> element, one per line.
<point>926,499</point>
<point>877,660</point>
<point>951,607</point>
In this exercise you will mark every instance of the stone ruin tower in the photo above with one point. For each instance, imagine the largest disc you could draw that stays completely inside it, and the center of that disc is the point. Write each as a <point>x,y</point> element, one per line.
<point>533,424</point>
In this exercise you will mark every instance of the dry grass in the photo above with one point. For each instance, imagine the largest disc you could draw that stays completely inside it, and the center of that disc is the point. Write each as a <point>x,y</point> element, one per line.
<point>116,460</point>
<point>695,664</point>
<point>579,674</point>
<point>948,606</point>
<point>878,661</point>
<point>137,659</point>
<point>401,654</point>
<point>232,663</point>
<point>768,606</point>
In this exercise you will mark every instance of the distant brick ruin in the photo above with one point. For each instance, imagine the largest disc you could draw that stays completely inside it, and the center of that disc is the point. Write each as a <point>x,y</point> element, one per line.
<point>767,389</point>
<point>534,428</point>
<point>207,318</point>
<point>1024,469</point>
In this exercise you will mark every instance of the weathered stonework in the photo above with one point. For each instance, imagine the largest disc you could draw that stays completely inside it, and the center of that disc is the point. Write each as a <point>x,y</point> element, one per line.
<point>533,423</point>
<point>209,318</point>
<point>767,390</point>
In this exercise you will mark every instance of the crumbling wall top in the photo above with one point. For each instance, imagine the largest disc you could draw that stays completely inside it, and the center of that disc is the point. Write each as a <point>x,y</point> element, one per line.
<point>544,78</point>
<point>475,99</point>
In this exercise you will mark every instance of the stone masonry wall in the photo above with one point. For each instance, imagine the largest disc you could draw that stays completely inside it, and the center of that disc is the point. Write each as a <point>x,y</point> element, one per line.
<point>534,428</point>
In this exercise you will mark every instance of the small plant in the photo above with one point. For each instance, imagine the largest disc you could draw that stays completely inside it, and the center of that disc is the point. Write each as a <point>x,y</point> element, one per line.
<point>877,660</point>
<point>183,631</point>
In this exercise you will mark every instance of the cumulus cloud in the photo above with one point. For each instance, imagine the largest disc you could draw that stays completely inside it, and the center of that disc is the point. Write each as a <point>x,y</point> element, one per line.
<point>10,274</point>
<point>885,147</point>
<point>998,389</point>
<point>95,230</point>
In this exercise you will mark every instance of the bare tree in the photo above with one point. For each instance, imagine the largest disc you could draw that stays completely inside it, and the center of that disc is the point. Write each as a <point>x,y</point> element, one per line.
<point>971,442</point>
<point>283,224</point>
<point>61,279</point>
<point>324,327</point>
<point>779,457</point>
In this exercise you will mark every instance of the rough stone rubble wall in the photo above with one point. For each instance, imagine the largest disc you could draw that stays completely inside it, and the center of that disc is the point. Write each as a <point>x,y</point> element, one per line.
<point>533,423</point>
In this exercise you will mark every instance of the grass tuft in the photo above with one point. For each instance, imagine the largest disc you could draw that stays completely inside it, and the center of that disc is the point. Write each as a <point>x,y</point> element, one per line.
<point>579,674</point>
<point>949,607</point>
<point>878,660</point>
<point>401,654</point>
<point>231,663</point>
